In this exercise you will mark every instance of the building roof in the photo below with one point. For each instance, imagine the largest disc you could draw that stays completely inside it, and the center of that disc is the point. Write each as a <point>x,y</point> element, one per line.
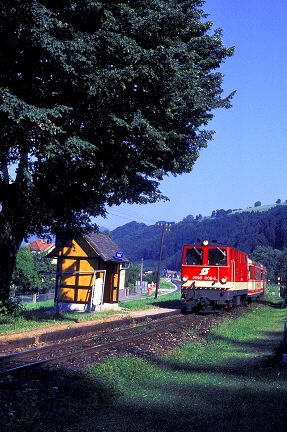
<point>40,246</point>
<point>105,246</point>
<point>102,244</point>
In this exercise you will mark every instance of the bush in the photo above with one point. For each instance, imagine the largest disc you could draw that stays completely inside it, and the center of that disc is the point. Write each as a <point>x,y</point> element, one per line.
<point>12,307</point>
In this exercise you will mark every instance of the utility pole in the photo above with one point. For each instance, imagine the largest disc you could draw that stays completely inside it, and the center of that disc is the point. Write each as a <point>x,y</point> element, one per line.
<point>141,275</point>
<point>165,227</point>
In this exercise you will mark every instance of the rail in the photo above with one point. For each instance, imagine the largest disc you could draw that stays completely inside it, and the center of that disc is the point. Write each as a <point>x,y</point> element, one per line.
<point>56,354</point>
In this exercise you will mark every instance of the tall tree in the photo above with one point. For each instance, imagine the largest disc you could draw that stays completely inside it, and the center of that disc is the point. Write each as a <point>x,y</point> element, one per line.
<point>33,273</point>
<point>272,260</point>
<point>133,274</point>
<point>98,101</point>
<point>25,276</point>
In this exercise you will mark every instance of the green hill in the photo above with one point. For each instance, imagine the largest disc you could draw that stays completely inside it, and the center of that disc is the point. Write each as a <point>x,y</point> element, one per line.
<point>259,208</point>
<point>264,226</point>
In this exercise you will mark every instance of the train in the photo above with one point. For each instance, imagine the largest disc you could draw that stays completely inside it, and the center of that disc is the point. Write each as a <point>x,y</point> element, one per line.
<point>216,277</point>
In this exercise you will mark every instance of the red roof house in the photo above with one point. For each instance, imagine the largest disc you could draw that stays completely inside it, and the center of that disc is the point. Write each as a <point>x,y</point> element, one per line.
<point>40,246</point>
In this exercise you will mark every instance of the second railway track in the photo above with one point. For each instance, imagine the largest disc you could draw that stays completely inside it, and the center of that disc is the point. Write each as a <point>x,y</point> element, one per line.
<point>84,346</point>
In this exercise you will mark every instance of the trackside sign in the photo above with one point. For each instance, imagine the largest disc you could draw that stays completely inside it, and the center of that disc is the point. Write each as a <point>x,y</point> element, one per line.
<point>119,255</point>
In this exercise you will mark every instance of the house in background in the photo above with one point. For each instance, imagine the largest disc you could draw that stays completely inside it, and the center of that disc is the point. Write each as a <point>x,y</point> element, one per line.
<point>40,246</point>
<point>90,272</point>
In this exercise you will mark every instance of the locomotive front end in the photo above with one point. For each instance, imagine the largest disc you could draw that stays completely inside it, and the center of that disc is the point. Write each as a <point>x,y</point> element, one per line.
<point>206,277</point>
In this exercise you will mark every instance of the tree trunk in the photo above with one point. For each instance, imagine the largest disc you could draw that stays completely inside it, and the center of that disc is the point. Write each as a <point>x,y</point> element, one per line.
<point>9,246</point>
<point>14,219</point>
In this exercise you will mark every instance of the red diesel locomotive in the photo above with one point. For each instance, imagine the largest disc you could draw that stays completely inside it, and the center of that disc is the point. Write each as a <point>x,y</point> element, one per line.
<point>217,277</point>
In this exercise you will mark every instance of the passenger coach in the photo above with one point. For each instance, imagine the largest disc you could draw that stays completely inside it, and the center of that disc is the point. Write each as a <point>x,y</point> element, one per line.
<point>216,277</point>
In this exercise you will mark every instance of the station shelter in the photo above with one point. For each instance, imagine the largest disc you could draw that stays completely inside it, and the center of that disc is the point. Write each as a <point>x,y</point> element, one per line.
<point>90,272</point>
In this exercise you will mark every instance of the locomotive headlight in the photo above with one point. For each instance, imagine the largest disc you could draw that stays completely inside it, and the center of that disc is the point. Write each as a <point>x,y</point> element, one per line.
<point>184,278</point>
<point>223,280</point>
<point>205,243</point>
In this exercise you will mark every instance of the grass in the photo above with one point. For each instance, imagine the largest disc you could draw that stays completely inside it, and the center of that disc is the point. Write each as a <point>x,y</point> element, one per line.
<point>49,304</point>
<point>48,401</point>
<point>35,316</point>
<point>230,381</point>
<point>150,302</point>
<point>273,294</point>
<point>259,208</point>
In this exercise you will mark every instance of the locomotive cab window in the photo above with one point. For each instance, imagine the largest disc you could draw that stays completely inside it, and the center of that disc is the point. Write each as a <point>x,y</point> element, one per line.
<point>217,257</point>
<point>193,256</point>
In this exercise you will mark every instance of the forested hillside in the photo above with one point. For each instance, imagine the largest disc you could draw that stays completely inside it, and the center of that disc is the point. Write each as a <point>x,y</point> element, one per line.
<point>246,231</point>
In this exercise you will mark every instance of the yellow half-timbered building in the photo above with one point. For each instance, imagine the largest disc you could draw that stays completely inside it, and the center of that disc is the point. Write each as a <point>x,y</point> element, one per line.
<point>89,272</point>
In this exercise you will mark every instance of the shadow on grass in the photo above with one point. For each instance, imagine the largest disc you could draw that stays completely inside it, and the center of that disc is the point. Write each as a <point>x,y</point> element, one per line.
<point>208,398</point>
<point>238,394</point>
<point>37,315</point>
<point>249,356</point>
<point>168,304</point>
<point>164,395</point>
<point>51,400</point>
<point>192,407</point>
<point>274,305</point>
<point>44,314</point>
<point>139,304</point>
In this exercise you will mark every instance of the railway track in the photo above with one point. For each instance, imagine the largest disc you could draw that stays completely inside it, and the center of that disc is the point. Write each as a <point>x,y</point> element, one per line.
<point>85,346</point>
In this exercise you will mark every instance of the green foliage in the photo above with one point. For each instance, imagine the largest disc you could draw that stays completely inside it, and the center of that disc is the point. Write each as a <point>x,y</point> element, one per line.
<point>45,270</point>
<point>108,233</point>
<point>12,307</point>
<point>151,277</point>
<point>132,274</point>
<point>27,276</point>
<point>274,260</point>
<point>98,101</point>
<point>272,294</point>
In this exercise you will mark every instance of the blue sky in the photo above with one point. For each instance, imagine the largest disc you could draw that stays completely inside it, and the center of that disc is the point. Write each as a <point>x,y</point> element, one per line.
<point>246,161</point>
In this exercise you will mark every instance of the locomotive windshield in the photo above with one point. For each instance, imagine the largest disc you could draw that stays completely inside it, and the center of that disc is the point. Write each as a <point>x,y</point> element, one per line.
<point>193,256</point>
<point>217,257</point>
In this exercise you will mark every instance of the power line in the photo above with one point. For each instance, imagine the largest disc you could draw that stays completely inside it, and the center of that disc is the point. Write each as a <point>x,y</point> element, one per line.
<point>131,216</point>
<point>132,213</point>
